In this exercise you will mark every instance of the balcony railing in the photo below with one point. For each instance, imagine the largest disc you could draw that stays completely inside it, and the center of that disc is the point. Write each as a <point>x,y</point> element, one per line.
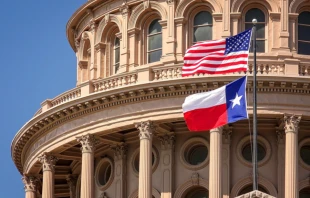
<point>66,97</point>
<point>115,81</point>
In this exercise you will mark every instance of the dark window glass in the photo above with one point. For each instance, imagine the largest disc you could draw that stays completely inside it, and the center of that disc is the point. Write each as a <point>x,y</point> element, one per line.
<point>116,54</point>
<point>198,193</point>
<point>304,193</point>
<point>202,27</point>
<point>104,173</point>
<point>197,154</point>
<point>154,42</point>
<point>303,18</point>
<point>304,33</point>
<point>305,154</point>
<point>260,27</point>
<point>249,188</point>
<point>255,13</point>
<point>247,152</point>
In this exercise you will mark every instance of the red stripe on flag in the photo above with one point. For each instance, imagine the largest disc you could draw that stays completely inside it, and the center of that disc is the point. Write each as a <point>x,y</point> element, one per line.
<point>207,118</point>
<point>217,72</point>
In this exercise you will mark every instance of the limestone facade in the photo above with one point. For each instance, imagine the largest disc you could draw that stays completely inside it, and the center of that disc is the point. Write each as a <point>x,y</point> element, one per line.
<point>120,132</point>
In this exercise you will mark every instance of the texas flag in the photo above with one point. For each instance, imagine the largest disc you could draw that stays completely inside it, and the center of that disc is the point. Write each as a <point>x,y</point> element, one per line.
<point>208,110</point>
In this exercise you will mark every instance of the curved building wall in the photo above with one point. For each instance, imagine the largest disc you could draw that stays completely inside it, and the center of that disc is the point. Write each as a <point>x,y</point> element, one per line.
<point>85,142</point>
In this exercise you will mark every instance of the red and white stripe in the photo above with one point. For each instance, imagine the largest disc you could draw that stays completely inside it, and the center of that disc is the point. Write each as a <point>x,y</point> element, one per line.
<point>209,57</point>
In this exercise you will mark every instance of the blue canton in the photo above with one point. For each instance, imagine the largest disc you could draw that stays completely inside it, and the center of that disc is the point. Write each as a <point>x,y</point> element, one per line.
<point>239,42</point>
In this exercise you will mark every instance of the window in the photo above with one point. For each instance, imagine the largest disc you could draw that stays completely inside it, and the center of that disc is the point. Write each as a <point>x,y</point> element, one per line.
<point>247,152</point>
<point>116,54</point>
<point>196,154</point>
<point>154,37</point>
<point>304,33</point>
<point>202,27</point>
<point>249,188</point>
<point>104,173</point>
<point>199,192</point>
<point>304,193</point>
<point>260,27</point>
<point>305,154</point>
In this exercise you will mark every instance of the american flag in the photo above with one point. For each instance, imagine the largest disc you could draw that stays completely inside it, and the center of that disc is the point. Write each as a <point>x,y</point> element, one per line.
<point>218,56</point>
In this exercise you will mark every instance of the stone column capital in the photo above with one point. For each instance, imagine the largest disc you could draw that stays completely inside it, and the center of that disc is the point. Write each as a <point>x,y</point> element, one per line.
<point>71,180</point>
<point>217,130</point>
<point>280,135</point>
<point>167,141</point>
<point>226,132</point>
<point>48,161</point>
<point>146,129</point>
<point>30,183</point>
<point>120,151</point>
<point>291,123</point>
<point>88,143</point>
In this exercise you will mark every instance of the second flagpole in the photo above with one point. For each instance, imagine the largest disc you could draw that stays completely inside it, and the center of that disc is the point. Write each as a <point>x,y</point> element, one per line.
<point>254,159</point>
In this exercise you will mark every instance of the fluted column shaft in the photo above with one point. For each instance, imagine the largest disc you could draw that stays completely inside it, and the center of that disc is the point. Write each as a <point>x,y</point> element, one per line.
<point>71,180</point>
<point>215,176</point>
<point>145,164</point>
<point>48,163</point>
<point>87,173</point>
<point>30,186</point>
<point>291,155</point>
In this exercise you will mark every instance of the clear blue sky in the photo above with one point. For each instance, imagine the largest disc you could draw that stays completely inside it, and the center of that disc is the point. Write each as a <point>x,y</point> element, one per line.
<point>36,63</point>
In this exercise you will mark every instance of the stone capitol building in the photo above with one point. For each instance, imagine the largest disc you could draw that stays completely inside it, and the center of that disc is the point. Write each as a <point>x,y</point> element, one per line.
<point>120,133</point>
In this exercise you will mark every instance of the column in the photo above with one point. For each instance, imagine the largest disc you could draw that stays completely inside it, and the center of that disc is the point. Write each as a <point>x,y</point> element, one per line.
<point>88,143</point>
<point>48,162</point>
<point>167,165</point>
<point>180,46</point>
<point>293,23</point>
<point>281,153</point>
<point>30,186</point>
<point>146,130</point>
<point>133,46</point>
<point>215,181</point>
<point>226,161</point>
<point>235,24</point>
<point>71,180</point>
<point>226,19</point>
<point>120,152</point>
<point>291,155</point>
<point>100,52</point>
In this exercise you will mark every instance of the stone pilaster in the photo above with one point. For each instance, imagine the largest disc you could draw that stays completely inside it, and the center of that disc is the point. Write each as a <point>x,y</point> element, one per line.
<point>146,130</point>
<point>284,34</point>
<point>120,173</point>
<point>30,186</point>
<point>291,155</point>
<point>281,153</point>
<point>215,176</point>
<point>180,47</point>
<point>100,52</point>
<point>124,51</point>
<point>88,143</point>
<point>226,161</point>
<point>293,23</point>
<point>48,163</point>
<point>71,180</point>
<point>167,165</point>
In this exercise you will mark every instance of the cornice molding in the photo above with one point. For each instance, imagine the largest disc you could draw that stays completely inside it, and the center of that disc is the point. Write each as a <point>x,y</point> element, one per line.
<point>137,93</point>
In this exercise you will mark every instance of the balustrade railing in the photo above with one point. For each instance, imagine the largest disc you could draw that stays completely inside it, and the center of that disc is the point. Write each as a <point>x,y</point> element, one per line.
<point>67,96</point>
<point>115,81</point>
<point>304,70</point>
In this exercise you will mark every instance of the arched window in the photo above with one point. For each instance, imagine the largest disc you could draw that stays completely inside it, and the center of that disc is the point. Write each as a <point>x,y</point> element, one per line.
<point>260,27</point>
<point>304,33</point>
<point>199,192</point>
<point>202,27</point>
<point>249,188</point>
<point>154,37</point>
<point>116,54</point>
<point>304,193</point>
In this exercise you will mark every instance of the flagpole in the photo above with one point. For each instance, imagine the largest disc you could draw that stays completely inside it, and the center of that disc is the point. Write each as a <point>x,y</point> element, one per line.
<point>254,157</point>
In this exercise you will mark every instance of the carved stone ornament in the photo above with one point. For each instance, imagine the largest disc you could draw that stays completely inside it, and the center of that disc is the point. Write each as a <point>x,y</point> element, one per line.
<point>120,151</point>
<point>195,179</point>
<point>76,43</point>
<point>124,9</point>
<point>146,4</point>
<point>71,180</point>
<point>291,123</point>
<point>227,131</point>
<point>169,1</point>
<point>48,162</point>
<point>146,129</point>
<point>280,135</point>
<point>30,183</point>
<point>88,143</point>
<point>93,25</point>
<point>167,141</point>
<point>103,195</point>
